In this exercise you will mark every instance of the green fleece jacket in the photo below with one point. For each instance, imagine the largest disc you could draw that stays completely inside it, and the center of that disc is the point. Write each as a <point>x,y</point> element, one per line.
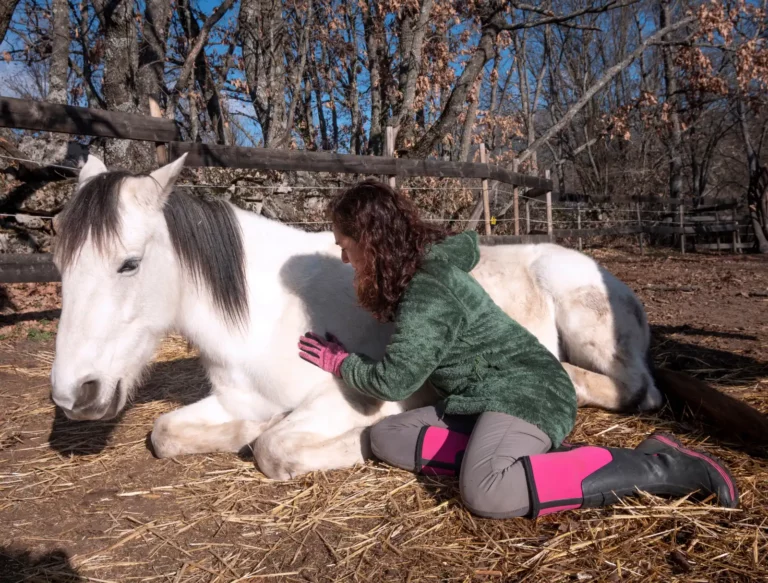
<point>449,331</point>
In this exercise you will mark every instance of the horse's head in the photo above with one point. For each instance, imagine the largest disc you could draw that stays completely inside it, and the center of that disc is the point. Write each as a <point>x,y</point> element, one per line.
<point>120,286</point>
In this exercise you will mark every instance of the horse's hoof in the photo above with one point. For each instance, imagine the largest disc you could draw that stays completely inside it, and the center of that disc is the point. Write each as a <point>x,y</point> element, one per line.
<point>271,461</point>
<point>274,469</point>
<point>163,444</point>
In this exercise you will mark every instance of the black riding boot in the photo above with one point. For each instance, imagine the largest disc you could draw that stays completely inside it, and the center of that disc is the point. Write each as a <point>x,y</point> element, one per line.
<point>590,476</point>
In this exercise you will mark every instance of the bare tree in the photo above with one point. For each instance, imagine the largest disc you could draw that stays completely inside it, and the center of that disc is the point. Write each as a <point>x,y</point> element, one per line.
<point>152,51</point>
<point>263,35</point>
<point>196,72</point>
<point>757,191</point>
<point>59,68</point>
<point>674,140</point>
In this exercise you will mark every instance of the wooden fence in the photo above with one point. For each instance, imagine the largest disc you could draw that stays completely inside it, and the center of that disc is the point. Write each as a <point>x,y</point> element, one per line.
<point>49,117</point>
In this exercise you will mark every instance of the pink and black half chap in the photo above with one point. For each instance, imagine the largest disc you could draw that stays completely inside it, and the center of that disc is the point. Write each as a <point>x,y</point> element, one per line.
<point>439,451</point>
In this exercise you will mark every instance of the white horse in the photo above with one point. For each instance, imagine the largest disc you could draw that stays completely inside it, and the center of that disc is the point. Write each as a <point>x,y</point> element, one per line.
<point>138,260</point>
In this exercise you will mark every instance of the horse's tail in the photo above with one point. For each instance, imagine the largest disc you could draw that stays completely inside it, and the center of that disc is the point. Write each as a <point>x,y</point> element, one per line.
<point>729,416</point>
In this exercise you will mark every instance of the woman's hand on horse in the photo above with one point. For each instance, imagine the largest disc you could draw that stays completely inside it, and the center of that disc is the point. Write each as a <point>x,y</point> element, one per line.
<point>327,354</point>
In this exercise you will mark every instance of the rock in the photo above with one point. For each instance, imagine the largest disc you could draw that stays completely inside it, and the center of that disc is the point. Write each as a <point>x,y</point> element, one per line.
<point>30,221</point>
<point>12,243</point>
<point>50,150</point>
<point>47,198</point>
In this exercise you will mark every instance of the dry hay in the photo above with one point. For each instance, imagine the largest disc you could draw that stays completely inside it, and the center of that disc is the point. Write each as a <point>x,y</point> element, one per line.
<point>122,516</point>
<point>87,502</point>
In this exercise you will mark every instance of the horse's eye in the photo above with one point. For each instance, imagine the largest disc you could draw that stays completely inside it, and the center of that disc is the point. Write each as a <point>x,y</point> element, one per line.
<point>129,265</point>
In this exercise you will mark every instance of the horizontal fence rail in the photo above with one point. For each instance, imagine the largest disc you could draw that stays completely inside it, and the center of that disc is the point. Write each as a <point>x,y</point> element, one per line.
<point>27,268</point>
<point>53,117</point>
<point>302,160</point>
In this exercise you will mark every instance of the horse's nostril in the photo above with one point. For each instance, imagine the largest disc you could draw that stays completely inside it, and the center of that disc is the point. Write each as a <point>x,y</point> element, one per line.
<point>87,394</point>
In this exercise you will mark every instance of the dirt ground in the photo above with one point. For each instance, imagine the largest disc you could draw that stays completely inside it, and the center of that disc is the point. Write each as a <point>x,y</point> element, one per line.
<point>88,501</point>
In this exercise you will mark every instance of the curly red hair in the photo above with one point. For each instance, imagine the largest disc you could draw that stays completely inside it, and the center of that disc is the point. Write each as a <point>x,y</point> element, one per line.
<point>392,238</point>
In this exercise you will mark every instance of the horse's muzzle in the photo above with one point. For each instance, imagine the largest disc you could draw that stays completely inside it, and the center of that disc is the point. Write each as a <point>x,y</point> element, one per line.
<point>89,407</point>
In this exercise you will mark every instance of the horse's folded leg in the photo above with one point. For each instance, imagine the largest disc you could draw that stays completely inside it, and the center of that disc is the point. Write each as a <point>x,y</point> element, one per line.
<point>172,439</point>
<point>287,456</point>
<point>596,390</point>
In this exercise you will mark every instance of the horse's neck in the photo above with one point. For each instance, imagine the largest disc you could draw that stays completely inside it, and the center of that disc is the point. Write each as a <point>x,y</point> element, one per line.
<point>271,255</point>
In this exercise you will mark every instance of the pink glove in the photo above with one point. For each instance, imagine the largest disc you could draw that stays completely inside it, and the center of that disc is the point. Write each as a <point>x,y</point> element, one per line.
<point>327,354</point>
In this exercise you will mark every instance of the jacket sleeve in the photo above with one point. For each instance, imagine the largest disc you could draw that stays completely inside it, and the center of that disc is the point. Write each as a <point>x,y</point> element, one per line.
<point>427,324</point>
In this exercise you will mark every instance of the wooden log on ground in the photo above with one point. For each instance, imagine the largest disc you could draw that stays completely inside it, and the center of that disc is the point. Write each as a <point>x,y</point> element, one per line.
<point>730,416</point>
<point>67,119</point>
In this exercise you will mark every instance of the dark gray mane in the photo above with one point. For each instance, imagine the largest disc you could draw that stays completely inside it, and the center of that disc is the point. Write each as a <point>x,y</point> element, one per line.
<point>204,232</point>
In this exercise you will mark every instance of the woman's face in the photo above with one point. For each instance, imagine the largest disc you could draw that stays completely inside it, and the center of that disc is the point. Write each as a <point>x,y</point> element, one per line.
<point>350,250</point>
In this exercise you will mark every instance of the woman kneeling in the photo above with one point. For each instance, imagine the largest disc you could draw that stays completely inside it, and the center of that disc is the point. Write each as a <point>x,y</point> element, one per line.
<point>506,401</point>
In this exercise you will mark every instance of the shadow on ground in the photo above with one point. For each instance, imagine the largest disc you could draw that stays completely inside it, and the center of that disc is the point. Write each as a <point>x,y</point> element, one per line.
<point>12,319</point>
<point>180,381</point>
<point>703,362</point>
<point>18,565</point>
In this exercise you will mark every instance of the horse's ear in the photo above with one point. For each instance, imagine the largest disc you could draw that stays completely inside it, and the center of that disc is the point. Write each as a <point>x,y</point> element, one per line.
<point>92,167</point>
<point>167,175</point>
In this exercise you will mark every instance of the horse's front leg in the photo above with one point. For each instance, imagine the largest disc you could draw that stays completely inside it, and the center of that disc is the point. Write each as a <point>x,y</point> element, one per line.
<point>328,431</point>
<point>205,427</point>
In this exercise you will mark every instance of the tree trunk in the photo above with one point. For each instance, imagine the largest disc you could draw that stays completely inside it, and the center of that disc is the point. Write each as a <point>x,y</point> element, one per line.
<point>204,77</point>
<point>57,74</point>
<point>157,18</point>
<point>413,27</point>
<point>318,88</point>
<point>7,8</point>
<point>675,139</point>
<point>757,190</point>
<point>483,53</point>
<point>120,81</point>
<point>374,43</point>
<point>92,95</point>
<point>469,124</point>
<point>262,31</point>
<point>297,74</point>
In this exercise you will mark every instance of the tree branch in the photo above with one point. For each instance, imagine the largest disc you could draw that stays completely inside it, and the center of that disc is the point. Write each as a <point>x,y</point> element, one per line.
<point>189,63</point>
<point>602,82</point>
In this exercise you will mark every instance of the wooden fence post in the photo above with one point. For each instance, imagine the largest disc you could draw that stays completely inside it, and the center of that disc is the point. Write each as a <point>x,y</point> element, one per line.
<point>389,146</point>
<point>682,228</point>
<point>515,191</point>
<point>527,217</point>
<point>486,202</point>
<point>578,222</point>
<point>640,224</point>
<point>161,150</point>
<point>549,209</point>
<point>717,222</point>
